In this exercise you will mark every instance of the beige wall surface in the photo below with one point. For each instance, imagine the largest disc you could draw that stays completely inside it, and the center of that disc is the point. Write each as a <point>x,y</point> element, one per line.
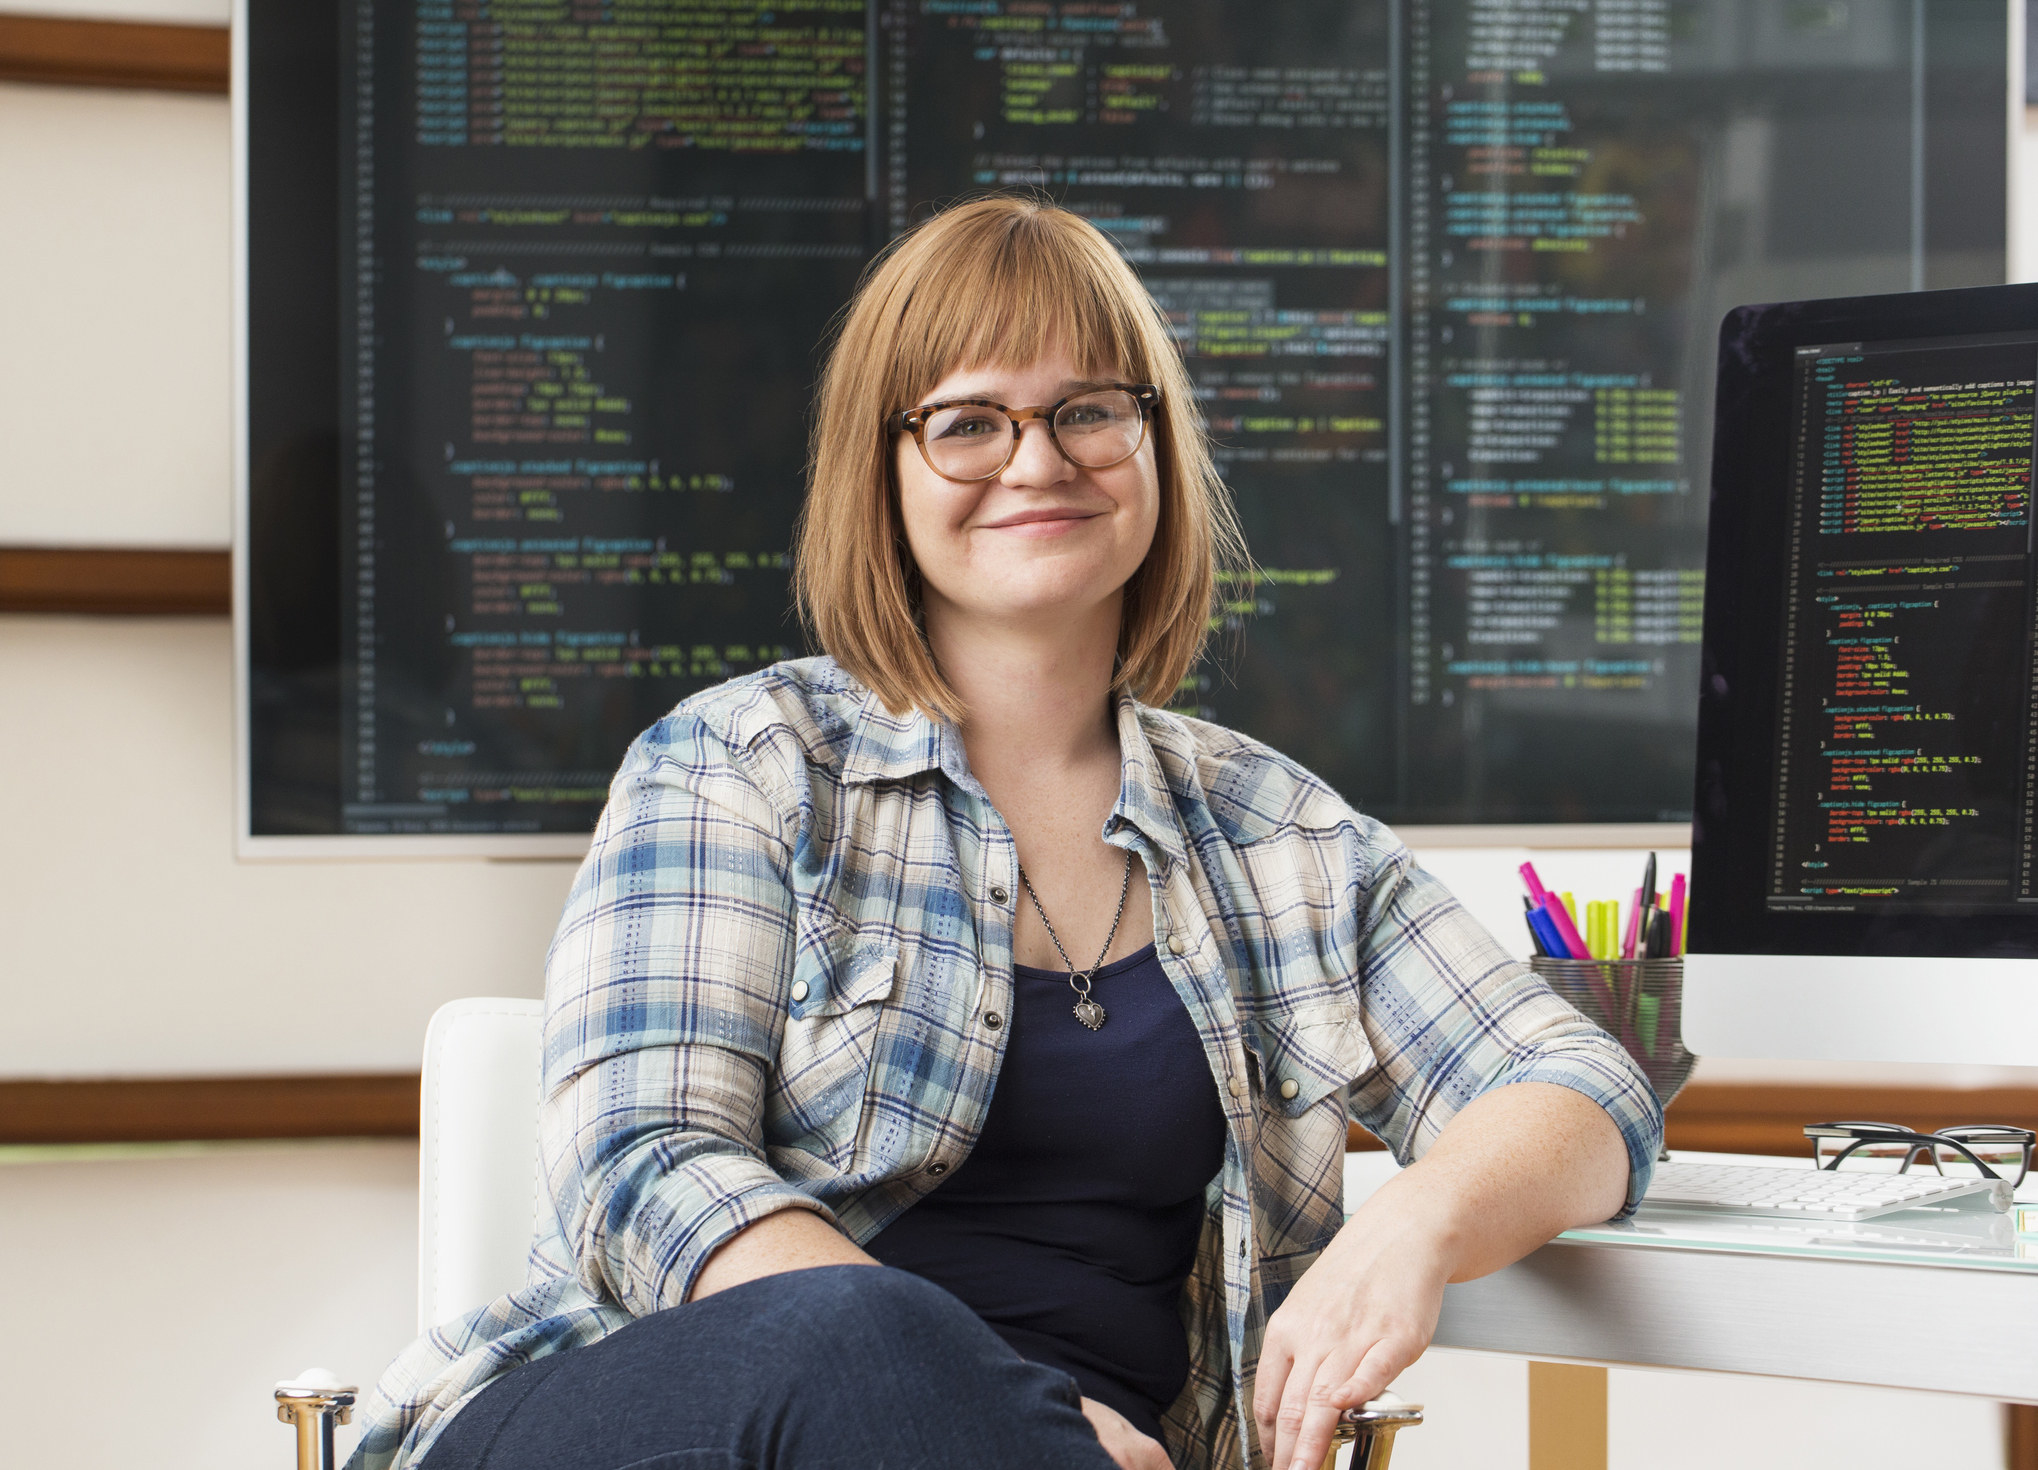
<point>116,423</point>
<point>152,12</point>
<point>132,942</point>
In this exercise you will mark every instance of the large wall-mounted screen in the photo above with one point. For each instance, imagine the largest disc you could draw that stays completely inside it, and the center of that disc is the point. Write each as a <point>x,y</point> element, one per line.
<point>535,293</point>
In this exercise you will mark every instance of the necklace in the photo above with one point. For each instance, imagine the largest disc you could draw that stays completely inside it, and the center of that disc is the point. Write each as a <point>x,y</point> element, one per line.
<point>1088,1011</point>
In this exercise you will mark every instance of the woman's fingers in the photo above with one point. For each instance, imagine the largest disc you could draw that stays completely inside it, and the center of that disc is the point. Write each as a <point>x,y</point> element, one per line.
<point>1309,1411</point>
<point>1376,1371</point>
<point>1128,1447</point>
<point>1276,1363</point>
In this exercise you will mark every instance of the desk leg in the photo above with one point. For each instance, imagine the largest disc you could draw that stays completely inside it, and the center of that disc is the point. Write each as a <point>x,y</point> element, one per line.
<point>1567,1417</point>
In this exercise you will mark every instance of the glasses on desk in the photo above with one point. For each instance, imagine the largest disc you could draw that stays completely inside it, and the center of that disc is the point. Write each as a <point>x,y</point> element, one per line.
<point>1972,1150</point>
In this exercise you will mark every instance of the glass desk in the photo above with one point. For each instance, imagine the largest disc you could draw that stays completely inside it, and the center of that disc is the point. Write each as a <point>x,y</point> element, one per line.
<point>1945,1299</point>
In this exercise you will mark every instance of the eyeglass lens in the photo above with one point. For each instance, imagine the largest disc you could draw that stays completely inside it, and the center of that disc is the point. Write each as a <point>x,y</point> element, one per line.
<point>973,441</point>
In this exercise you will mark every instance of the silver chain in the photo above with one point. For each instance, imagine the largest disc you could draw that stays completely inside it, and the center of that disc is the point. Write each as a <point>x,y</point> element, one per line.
<point>1090,1012</point>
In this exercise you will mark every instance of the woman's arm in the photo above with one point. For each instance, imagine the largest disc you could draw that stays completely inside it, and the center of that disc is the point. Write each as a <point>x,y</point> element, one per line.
<point>1519,1164</point>
<point>791,1240</point>
<point>666,995</point>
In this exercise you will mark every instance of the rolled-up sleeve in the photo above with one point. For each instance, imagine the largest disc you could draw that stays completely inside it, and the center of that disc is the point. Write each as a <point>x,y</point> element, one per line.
<point>664,992</point>
<point>1451,1015</point>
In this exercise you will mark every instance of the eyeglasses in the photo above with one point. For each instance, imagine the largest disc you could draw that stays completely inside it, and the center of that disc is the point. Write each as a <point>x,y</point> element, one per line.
<point>970,439</point>
<point>1975,1150</point>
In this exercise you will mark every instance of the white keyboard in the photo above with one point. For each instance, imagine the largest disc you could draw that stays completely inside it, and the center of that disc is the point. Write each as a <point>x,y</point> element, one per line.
<point>1805,1193</point>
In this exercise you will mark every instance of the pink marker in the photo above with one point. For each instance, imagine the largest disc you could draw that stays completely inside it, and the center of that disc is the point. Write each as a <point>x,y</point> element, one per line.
<point>1535,884</point>
<point>1677,892</point>
<point>1627,949</point>
<point>1566,930</point>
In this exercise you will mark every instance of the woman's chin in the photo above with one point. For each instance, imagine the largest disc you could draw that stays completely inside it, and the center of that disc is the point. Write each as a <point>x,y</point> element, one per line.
<point>1048,605</point>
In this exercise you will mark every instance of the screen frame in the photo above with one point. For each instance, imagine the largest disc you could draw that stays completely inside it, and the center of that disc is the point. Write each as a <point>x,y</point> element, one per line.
<point>1746,564</point>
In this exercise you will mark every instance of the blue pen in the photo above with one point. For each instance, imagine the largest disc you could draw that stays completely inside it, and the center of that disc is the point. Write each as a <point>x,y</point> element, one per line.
<point>1545,930</point>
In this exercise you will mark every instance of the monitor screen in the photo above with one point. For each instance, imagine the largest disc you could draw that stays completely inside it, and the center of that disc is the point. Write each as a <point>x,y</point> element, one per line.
<point>1869,740</point>
<point>536,297</point>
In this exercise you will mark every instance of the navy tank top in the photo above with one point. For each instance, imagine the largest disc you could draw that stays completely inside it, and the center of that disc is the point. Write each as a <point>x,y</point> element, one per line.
<point>1072,1226</point>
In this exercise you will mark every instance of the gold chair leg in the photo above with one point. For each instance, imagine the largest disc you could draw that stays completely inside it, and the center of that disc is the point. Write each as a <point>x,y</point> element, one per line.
<point>312,1403</point>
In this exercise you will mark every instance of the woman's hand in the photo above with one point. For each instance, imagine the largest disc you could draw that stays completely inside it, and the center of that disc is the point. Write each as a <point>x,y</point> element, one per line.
<point>1517,1165</point>
<point>1124,1444</point>
<point>1355,1320</point>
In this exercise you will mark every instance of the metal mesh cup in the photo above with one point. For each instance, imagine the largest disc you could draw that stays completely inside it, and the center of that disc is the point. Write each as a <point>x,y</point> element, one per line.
<point>1638,1002</point>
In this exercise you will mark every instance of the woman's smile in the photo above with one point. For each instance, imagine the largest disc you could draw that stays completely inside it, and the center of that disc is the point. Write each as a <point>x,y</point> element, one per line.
<point>1042,521</point>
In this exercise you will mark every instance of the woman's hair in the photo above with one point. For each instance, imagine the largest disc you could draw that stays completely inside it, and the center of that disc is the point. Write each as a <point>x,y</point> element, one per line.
<point>996,282</point>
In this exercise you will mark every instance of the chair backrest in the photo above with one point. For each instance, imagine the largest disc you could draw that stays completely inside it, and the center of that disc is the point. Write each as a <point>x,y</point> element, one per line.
<point>478,1178</point>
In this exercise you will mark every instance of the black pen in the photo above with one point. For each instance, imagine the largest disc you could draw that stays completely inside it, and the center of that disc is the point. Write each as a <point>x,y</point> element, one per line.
<point>1529,919</point>
<point>1647,904</point>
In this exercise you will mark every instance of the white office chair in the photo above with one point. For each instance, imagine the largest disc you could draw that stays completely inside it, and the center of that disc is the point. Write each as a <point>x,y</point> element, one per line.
<point>478,1197</point>
<point>478,1187</point>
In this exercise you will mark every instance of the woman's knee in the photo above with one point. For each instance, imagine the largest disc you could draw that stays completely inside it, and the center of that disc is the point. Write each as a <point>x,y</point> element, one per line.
<point>840,1304</point>
<point>887,1330</point>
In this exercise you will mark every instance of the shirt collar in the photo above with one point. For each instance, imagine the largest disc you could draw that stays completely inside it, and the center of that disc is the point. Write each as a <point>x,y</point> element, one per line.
<point>1144,801</point>
<point>889,747</point>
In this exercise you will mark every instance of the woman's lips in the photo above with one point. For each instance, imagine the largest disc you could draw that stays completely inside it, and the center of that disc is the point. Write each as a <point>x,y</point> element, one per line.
<point>1046,522</point>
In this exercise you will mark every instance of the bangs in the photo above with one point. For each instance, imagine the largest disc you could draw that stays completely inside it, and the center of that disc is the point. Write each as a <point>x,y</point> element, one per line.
<point>1007,289</point>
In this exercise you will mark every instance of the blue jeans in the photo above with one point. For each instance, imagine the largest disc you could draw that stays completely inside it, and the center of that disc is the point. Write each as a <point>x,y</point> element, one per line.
<point>835,1368</point>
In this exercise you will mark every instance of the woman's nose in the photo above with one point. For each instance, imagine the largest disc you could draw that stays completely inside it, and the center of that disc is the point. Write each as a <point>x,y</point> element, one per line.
<point>1035,459</point>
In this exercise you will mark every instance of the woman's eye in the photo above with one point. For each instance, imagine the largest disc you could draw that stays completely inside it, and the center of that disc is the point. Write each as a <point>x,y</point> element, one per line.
<point>968,426</point>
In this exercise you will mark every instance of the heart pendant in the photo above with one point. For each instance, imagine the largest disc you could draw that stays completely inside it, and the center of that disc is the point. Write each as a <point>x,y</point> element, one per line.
<point>1090,1014</point>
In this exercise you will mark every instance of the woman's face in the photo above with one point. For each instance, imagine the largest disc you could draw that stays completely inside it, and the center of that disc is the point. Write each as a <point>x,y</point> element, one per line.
<point>1043,539</point>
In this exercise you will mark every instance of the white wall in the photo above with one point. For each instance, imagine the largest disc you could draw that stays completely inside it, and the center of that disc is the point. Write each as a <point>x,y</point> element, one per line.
<point>157,1296</point>
<point>156,12</point>
<point>132,942</point>
<point>115,389</point>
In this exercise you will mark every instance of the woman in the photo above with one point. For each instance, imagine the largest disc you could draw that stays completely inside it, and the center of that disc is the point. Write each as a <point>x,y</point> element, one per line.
<point>948,1053</point>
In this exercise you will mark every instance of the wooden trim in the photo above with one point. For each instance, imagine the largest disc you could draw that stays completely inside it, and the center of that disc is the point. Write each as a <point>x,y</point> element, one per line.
<point>1721,1117</point>
<point>1763,1118</point>
<point>164,1110</point>
<point>114,53</point>
<point>2020,1437</point>
<point>1747,1118</point>
<point>98,580</point>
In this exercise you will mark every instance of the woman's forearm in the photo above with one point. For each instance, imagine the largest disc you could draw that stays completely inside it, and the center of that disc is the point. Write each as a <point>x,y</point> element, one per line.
<point>788,1240</point>
<point>1515,1167</point>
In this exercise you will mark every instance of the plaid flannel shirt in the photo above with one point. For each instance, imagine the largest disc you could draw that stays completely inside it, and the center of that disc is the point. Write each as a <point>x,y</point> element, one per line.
<point>768,989</point>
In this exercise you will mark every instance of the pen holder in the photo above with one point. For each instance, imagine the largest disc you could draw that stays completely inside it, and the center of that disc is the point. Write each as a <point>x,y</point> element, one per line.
<point>1638,1002</point>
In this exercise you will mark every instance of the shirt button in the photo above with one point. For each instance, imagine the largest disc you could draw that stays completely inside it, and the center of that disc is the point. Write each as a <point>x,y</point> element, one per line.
<point>799,990</point>
<point>1175,945</point>
<point>1289,1089</point>
<point>993,1020</point>
<point>998,895</point>
<point>1237,1086</point>
<point>937,1168</point>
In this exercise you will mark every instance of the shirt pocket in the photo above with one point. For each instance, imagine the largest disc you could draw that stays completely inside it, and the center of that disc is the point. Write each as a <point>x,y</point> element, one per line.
<point>837,998</point>
<point>1311,1051</point>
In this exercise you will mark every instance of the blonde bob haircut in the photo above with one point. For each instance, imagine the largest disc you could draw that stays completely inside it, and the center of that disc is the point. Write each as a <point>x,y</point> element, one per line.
<point>996,281</point>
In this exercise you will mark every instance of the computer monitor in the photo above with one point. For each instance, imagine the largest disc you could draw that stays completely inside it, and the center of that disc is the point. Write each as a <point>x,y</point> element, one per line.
<point>532,301</point>
<point>1863,876</point>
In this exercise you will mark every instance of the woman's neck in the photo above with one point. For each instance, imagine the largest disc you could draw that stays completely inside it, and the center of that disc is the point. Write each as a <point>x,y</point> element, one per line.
<point>1038,697</point>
